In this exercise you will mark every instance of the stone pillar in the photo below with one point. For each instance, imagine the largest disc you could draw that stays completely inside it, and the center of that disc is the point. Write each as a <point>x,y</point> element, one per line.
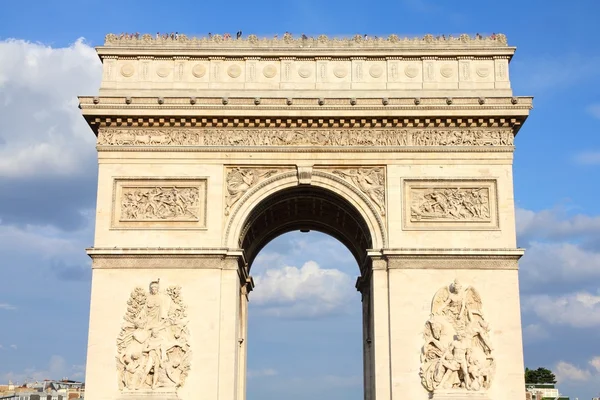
<point>206,287</point>
<point>243,340</point>
<point>380,312</point>
<point>230,314</point>
<point>471,297</point>
<point>363,285</point>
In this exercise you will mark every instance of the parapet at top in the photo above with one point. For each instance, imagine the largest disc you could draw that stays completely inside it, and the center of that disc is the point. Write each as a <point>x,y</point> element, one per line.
<point>303,41</point>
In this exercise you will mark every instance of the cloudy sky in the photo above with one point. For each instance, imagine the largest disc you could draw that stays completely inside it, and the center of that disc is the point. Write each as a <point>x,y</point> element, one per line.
<point>303,343</point>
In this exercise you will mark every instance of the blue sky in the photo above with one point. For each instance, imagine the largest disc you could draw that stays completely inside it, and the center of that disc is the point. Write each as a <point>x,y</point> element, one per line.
<point>48,183</point>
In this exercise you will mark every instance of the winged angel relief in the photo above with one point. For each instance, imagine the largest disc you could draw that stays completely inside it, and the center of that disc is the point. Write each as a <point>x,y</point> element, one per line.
<point>239,180</point>
<point>457,353</point>
<point>153,349</point>
<point>370,181</point>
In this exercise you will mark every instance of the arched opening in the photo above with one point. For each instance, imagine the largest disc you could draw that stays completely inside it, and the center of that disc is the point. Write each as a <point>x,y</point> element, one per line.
<point>333,223</point>
<point>304,209</point>
<point>304,321</point>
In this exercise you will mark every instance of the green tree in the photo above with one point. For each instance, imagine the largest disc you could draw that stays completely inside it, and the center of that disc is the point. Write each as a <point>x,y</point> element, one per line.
<point>540,375</point>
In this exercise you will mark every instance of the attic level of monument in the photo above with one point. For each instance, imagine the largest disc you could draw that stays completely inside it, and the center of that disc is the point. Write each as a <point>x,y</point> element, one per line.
<point>321,67</point>
<point>288,40</point>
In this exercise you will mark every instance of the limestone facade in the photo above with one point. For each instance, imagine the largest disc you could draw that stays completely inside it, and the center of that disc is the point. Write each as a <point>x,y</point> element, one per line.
<point>401,149</point>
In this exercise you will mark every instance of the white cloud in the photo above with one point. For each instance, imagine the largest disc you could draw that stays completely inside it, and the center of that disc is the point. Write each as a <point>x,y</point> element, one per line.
<point>559,247</point>
<point>57,368</point>
<point>569,372</point>
<point>308,291</point>
<point>6,306</point>
<point>45,241</point>
<point>588,158</point>
<point>555,224</point>
<point>41,127</point>
<point>595,363</point>
<point>579,310</point>
<point>594,110</point>
<point>261,373</point>
<point>13,346</point>
<point>544,263</point>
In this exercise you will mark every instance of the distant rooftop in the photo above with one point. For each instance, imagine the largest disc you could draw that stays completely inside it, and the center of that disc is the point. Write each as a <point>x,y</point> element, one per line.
<point>289,40</point>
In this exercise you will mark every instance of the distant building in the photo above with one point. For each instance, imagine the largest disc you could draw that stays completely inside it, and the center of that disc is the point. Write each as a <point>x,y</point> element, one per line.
<point>543,391</point>
<point>46,390</point>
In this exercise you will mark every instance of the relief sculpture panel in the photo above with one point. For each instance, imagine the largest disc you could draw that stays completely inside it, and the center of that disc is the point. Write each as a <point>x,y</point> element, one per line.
<point>305,137</point>
<point>457,354</point>
<point>370,181</point>
<point>153,352</point>
<point>454,204</point>
<point>156,203</point>
<point>240,179</point>
<point>160,203</point>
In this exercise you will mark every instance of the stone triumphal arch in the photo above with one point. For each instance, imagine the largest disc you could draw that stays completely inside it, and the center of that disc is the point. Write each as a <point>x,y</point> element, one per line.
<point>400,148</point>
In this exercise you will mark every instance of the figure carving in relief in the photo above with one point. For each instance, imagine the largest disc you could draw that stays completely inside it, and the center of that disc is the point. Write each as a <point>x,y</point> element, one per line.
<point>215,40</point>
<point>157,203</point>
<point>239,180</point>
<point>153,350</point>
<point>370,181</point>
<point>457,353</point>
<point>148,137</point>
<point>304,137</point>
<point>450,203</point>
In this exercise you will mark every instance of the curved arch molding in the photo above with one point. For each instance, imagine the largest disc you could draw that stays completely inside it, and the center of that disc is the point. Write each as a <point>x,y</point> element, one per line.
<point>332,203</point>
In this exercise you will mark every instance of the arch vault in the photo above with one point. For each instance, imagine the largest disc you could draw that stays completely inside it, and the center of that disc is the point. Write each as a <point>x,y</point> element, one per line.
<point>401,149</point>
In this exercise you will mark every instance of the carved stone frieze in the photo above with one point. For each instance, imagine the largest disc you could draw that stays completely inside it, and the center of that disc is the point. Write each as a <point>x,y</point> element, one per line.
<point>240,179</point>
<point>153,351</point>
<point>443,204</point>
<point>450,203</point>
<point>149,137</point>
<point>160,203</point>
<point>288,40</point>
<point>457,354</point>
<point>305,137</point>
<point>370,181</point>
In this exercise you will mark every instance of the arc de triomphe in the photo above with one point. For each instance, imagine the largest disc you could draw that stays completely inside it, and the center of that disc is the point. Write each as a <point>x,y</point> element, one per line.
<point>401,149</point>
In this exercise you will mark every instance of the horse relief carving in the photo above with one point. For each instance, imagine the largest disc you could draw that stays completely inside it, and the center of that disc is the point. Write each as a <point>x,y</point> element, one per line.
<point>153,349</point>
<point>439,204</point>
<point>160,203</point>
<point>457,353</point>
<point>304,137</point>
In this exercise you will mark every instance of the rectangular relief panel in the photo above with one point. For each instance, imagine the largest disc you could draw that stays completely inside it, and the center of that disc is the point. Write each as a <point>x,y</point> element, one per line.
<point>159,203</point>
<point>450,204</point>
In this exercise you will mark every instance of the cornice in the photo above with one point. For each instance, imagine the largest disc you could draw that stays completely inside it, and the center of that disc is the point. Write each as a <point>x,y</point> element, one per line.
<point>351,103</point>
<point>307,54</point>
<point>160,251</point>
<point>463,252</point>
<point>303,43</point>
<point>317,112</point>
<point>512,253</point>
<point>304,122</point>
<point>314,149</point>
